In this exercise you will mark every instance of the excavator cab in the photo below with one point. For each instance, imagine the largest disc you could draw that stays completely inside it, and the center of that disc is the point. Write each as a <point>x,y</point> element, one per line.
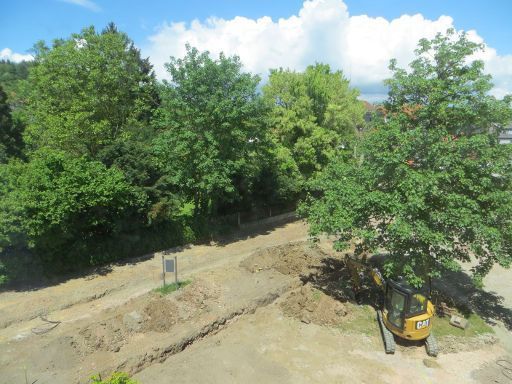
<point>407,313</point>
<point>403,302</point>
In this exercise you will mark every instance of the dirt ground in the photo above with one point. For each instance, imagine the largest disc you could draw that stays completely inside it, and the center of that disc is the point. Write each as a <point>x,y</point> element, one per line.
<point>265,307</point>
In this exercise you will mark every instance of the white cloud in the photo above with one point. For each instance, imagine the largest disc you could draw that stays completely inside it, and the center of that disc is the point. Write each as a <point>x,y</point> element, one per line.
<point>8,54</point>
<point>90,5</point>
<point>500,67</point>
<point>322,31</point>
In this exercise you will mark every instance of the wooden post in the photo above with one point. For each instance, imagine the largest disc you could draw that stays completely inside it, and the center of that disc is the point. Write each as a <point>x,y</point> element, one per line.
<point>238,216</point>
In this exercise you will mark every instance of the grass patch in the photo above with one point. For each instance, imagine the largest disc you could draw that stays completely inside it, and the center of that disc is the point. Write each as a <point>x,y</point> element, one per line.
<point>169,288</point>
<point>116,378</point>
<point>361,319</point>
<point>477,326</point>
<point>316,295</point>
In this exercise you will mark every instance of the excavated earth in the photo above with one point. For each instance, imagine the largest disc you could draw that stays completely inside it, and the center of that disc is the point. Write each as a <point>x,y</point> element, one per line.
<point>271,307</point>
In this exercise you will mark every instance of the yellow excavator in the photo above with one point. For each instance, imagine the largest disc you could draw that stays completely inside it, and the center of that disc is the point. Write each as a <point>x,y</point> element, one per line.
<point>405,312</point>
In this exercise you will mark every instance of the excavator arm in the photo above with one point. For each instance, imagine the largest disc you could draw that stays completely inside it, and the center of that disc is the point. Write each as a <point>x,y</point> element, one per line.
<point>358,271</point>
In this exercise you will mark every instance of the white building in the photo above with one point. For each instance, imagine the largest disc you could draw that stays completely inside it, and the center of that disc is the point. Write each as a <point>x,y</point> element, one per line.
<point>506,135</point>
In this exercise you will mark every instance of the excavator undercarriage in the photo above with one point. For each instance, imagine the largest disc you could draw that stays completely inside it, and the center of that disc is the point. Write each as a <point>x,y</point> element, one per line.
<point>403,311</point>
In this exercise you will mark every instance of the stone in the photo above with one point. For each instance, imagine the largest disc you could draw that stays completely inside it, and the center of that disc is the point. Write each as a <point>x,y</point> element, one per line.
<point>133,321</point>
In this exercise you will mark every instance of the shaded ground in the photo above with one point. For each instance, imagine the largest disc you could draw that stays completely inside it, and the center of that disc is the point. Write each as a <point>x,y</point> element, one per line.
<point>487,302</point>
<point>266,308</point>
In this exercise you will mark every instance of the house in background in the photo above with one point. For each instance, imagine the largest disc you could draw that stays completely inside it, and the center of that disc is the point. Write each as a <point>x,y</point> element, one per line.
<point>505,136</point>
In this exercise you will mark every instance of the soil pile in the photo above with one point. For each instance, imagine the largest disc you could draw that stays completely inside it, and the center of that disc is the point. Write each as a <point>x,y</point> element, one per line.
<point>148,313</point>
<point>310,305</point>
<point>196,297</point>
<point>161,314</point>
<point>295,259</point>
<point>108,335</point>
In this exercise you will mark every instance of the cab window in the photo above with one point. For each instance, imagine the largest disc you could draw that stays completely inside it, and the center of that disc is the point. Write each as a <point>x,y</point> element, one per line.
<point>396,307</point>
<point>418,304</point>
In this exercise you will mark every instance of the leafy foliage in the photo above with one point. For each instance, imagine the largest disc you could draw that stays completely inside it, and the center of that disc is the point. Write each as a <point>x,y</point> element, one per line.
<point>115,378</point>
<point>11,142</point>
<point>278,181</point>
<point>445,89</point>
<point>429,188</point>
<point>88,91</point>
<point>12,76</point>
<point>63,207</point>
<point>312,114</point>
<point>209,122</point>
<point>171,287</point>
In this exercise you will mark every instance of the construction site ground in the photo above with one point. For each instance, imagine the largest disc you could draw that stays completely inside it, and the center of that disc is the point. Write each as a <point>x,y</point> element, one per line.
<point>263,306</point>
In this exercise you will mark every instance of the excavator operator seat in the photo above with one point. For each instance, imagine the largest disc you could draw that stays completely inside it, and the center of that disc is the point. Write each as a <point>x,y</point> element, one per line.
<point>395,304</point>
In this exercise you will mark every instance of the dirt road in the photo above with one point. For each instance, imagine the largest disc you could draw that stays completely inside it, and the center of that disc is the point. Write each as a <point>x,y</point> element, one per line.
<point>87,296</point>
<point>251,314</point>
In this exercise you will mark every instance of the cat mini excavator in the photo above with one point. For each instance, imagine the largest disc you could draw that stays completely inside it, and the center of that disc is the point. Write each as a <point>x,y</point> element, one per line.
<point>404,311</point>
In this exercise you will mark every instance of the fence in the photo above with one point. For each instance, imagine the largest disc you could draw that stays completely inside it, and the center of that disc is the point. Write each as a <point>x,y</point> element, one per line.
<point>264,215</point>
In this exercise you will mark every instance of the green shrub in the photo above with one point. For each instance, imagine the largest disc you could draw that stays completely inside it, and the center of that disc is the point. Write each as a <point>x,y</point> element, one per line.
<point>116,378</point>
<point>168,288</point>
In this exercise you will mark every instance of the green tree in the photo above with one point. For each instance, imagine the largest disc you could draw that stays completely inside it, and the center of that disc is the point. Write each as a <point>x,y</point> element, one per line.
<point>88,91</point>
<point>444,90</point>
<point>210,123</point>
<point>429,189</point>
<point>11,142</point>
<point>312,114</point>
<point>278,181</point>
<point>64,208</point>
<point>12,79</point>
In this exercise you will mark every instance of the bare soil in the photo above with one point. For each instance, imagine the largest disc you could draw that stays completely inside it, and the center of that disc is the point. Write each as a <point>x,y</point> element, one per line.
<point>313,306</point>
<point>267,307</point>
<point>295,259</point>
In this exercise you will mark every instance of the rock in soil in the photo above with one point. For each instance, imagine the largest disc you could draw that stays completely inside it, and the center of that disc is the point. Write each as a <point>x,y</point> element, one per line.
<point>133,321</point>
<point>430,363</point>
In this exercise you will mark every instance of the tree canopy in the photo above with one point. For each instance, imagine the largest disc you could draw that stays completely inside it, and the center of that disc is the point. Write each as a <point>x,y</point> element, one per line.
<point>312,113</point>
<point>445,88</point>
<point>88,91</point>
<point>433,186</point>
<point>209,123</point>
<point>61,206</point>
<point>11,79</point>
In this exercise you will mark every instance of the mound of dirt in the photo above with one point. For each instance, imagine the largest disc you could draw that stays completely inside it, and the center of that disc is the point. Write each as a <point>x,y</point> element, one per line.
<point>310,305</point>
<point>161,315</point>
<point>197,295</point>
<point>147,313</point>
<point>295,259</point>
<point>108,335</point>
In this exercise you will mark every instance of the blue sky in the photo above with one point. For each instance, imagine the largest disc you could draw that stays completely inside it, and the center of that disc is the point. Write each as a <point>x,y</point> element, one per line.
<point>334,31</point>
<point>23,22</point>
